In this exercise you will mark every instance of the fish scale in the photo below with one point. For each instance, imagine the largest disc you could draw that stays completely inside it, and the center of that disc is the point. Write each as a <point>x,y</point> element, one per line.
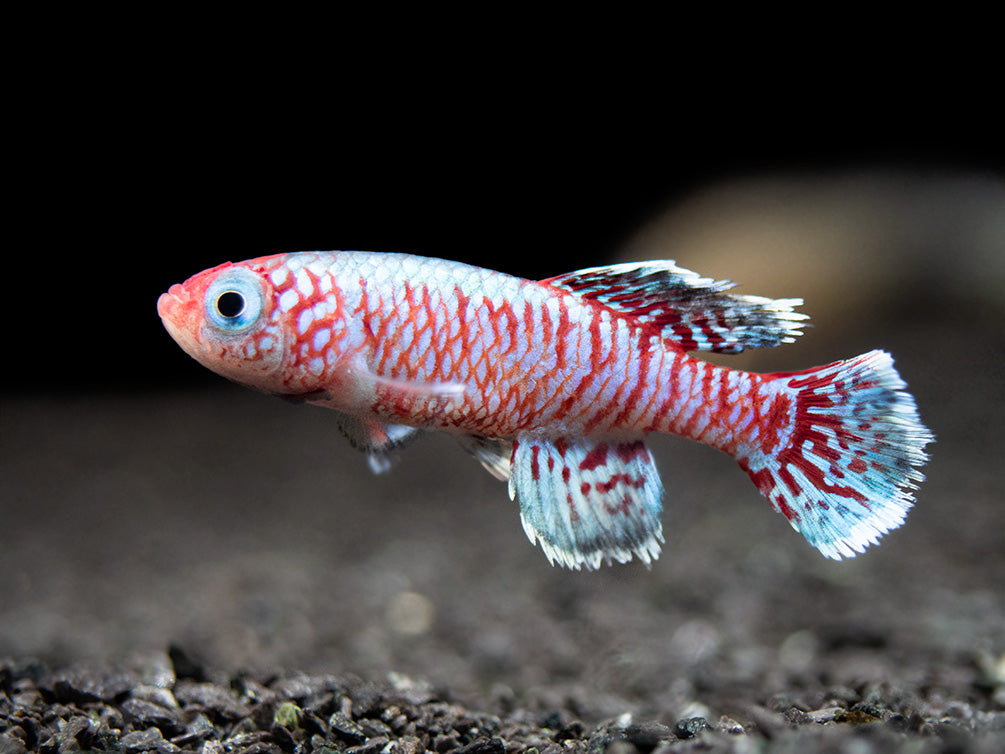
<point>553,385</point>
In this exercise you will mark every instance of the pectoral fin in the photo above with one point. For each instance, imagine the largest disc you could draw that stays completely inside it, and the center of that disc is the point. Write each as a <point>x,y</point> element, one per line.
<point>413,389</point>
<point>378,440</point>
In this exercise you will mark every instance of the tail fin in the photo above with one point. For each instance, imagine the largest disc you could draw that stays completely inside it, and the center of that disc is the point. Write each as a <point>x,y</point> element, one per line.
<point>845,472</point>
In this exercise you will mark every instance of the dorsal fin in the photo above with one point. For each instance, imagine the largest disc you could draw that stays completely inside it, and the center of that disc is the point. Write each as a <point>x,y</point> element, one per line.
<point>693,311</point>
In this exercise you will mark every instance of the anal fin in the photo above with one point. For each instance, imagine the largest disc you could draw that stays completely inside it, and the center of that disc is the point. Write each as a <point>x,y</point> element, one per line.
<point>588,501</point>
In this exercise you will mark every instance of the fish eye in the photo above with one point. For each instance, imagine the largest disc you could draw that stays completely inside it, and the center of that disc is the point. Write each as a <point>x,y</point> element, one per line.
<point>230,304</point>
<point>234,301</point>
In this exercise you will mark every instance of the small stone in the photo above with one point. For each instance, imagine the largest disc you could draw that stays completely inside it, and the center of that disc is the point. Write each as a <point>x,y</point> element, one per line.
<point>398,723</point>
<point>302,686</point>
<point>312,724</point>
<point>74,726</point>
<point>197,728</point>
<point>690,727</point>
<point>856,716</point>
<point>243,739</point>
<point>155,694</point>
<point>730,726</point>
<point>222,702</point>
<point>153,669</point>
<point>869,710</point>
<point>647,736</point>
<point>16,731</point>
<point>11,745</point>
<point>410,745</point>
<point>146,714</point>
<point>288,715</point>
<point>825,715</point>
<point>147,740</point>
<point>261,747</point>
<point>283,737</point>
<point>253,692</point>
<point>796,716</point>
<point>372,746</point>
<point>484,746</point>
<point>373,727</point>
<point>83,685</point>
<point>26,699</point>
<point>31,730</point>
<point>345,729</point>
<point>292,688</point>
<point>109,716</point>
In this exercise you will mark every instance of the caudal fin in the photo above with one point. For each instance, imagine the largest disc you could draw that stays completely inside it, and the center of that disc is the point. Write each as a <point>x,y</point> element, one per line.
<point>849,461</point>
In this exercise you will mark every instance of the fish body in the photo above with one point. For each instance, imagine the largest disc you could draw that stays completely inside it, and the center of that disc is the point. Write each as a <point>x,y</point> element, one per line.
<point>553,385</point>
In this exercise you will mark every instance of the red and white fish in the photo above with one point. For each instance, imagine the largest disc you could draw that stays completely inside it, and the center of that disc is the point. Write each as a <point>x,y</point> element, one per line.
<point>554,385</point>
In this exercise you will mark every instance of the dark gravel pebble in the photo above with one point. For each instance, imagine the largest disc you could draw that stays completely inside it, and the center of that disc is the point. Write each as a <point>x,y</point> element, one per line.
<point>146,740</point>
<point>691,727</point>
<point>345,729</point>
<point>148,715</point>
<point>484,746</point>
<point>80,684</point>
<point>11,744</point>
<point>647,736</point>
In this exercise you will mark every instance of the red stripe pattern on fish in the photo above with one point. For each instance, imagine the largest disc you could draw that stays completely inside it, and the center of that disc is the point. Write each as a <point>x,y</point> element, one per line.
<point>553,385</point>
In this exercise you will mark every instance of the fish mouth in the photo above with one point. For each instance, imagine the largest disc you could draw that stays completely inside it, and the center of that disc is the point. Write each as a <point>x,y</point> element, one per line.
<point>170,303</point>
<point>174,309</point>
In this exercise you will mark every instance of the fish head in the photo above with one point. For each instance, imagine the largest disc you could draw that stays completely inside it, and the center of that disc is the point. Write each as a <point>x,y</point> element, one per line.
<point>227,319</point>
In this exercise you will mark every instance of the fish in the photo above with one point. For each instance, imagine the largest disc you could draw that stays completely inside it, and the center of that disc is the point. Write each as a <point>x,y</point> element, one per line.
<point>554,385</point>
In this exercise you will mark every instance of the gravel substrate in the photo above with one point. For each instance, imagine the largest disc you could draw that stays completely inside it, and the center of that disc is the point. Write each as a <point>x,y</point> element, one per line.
<point>170,703</point>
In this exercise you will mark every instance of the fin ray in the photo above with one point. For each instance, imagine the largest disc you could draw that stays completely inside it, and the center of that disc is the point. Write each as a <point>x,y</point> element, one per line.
<point>846,475</point>
<point>588,501</point>
<point>694,312</point>
<point>494,453</point>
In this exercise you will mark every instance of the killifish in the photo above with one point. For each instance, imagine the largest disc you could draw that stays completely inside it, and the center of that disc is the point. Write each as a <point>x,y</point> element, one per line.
<point>555,384</point>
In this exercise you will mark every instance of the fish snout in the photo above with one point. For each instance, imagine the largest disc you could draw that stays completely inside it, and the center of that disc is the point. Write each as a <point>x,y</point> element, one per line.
<point>175,309</point>
<point>170,303</point>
